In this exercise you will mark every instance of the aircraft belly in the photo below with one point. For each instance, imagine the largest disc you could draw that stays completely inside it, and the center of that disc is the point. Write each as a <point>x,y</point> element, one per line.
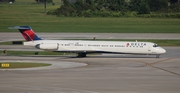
<point>123,50</point>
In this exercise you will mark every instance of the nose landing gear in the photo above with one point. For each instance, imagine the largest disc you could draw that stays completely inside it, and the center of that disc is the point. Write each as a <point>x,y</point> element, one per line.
<point>157,55</point>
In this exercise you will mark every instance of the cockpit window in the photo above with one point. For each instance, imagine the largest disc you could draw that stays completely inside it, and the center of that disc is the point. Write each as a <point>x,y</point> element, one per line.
<point>155,45</point>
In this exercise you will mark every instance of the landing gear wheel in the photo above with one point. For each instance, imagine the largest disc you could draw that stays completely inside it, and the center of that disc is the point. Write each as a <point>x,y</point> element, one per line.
<point>81,55</point>
<point>157,56</point>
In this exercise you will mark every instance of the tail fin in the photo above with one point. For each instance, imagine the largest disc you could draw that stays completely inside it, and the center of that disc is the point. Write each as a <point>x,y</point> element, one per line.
<point>27,33</point>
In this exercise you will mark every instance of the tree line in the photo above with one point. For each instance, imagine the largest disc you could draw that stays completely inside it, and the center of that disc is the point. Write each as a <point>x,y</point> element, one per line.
<point>42,1</point>
<point>38,1</point>
<point>4,1</point>
<point>114,8</point>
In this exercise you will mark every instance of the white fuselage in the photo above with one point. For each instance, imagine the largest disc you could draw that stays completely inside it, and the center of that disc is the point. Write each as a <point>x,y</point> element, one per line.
<point>121,47</point>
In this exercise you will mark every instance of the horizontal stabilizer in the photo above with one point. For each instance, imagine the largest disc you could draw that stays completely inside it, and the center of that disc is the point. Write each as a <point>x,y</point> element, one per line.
<point>20,27</point>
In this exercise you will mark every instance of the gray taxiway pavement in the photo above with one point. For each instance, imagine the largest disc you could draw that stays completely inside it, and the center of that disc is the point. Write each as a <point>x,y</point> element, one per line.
<point>95,73</point>
<point>102,74</point>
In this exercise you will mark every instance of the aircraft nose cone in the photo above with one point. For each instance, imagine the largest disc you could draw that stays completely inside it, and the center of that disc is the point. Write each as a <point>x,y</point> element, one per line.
<point>162,51</point>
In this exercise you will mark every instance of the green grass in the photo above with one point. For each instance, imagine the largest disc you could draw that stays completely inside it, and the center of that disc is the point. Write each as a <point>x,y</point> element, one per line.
<point>28,2</point>
<point>34,16</point>
<point>13,65</point>
<point>24,53</point>
<point>34,1</point>
<point>6,43</point>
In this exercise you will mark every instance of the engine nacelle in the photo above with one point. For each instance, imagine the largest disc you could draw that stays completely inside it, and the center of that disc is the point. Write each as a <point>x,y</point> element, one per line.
<point>47,46</point>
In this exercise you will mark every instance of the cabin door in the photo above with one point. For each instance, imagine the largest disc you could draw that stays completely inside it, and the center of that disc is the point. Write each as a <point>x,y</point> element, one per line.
<point>149,49</point>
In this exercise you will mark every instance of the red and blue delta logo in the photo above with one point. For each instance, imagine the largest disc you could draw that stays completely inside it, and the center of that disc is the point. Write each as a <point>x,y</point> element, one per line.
<point>127,44</point>
<point>28,35</point>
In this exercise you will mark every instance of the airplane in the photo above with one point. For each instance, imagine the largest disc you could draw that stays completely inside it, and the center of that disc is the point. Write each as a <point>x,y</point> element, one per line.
<point>83,47</point>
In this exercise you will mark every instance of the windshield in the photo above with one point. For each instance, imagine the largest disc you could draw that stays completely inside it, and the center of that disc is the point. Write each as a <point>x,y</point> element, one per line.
<point>155,45</point>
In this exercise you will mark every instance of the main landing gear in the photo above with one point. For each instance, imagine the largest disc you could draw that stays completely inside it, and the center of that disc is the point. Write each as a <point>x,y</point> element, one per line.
<point>81,55</point>
<point>157,55</point>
